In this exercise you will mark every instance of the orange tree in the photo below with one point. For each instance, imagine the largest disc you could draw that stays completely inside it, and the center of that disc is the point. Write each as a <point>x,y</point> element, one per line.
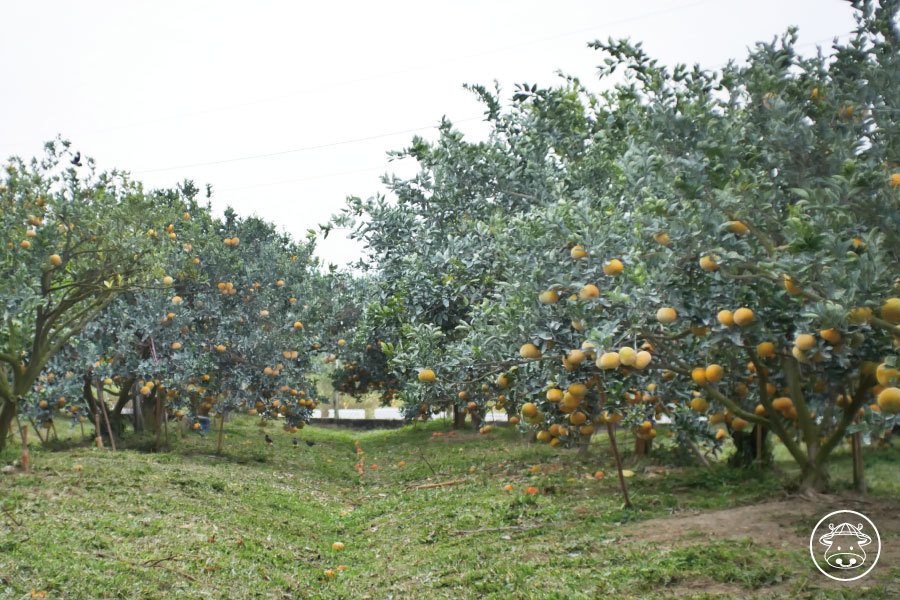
<point>73,240</point>
<point>717,247</point>
<point>222,330</point>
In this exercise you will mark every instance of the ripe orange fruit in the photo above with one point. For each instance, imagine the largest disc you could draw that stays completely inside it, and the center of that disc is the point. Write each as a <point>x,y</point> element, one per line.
<point>782,404</point>
<point>642,359</point>
<point>627,356</point>
<point>889,400</point>
<point>529,351</point>
<point>503,381</point>
<point>608,360</point>
<point>736,227</point>
<point>805,342</point>
<point>579,390</point>
<point>176,345</point>
<point>743,316</point>
<point>55,260</point>
<point>739,424</point>
<point>699,375</point>
<point>789,285</point>
<point>766,350</point>
<point>720,435</point>
<point>578,252</point>
<point>832,336</point>
<point>714,373</point>
<point>890,310</point>
<point>548,297</point>
<point>666,315</point>
<point>661,238</point>
<point>708,264</point>
<point>726,318</point>
<point>895,179</point>
<point>613,267</point>
<point>529,410</point>
<point>176,300</point>
<point>699,404</point>
<point>25,244</point>
<point>554,395</point>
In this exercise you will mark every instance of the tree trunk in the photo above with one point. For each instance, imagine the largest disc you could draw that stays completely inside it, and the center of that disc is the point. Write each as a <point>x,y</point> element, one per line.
<point>102,403</point>
<point>115,415</point>
<point>7,414</point>
<point>748,449</point>
<point>584,444</point>
<point>459,417</point>
<point>476,420</point>
<point>615,450</point>
<point>641,446</point>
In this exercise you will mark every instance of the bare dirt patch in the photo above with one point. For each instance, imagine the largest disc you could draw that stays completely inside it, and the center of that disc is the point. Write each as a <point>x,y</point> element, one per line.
<point>781,525</point>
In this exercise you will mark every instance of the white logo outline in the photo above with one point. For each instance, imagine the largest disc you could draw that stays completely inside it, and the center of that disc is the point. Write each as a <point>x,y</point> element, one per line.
<point>812,539</point>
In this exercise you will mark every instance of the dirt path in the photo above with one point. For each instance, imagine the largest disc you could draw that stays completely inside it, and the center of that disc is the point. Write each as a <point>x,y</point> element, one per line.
<point>781,525</point>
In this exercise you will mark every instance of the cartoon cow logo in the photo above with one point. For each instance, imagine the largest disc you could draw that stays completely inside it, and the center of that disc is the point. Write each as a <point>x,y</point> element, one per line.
<point>843,543</point>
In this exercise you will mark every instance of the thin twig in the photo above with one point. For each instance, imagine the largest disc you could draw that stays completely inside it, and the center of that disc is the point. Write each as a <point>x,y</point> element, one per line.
<point>442,484</point>
<point>9,514</point>
<point>492,529</point>
<point>422,454</point>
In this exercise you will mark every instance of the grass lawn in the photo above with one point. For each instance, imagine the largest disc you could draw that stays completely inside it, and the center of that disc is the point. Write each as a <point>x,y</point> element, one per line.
<point>259,521</point>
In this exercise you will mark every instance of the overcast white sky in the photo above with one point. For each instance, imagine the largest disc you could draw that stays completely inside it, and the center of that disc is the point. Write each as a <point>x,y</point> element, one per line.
<point>155,85</point>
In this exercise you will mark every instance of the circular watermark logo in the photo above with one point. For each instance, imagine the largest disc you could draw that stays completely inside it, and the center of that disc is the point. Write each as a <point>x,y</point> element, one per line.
<point>845,545</point>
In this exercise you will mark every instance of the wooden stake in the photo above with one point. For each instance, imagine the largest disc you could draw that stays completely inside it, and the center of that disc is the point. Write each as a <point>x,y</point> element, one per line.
<point>158,418</point>
<point>221,431</point>
<point>102,403</point>
<point>612,443</point>
<point>36,430</point>
<point>859,477</point>
<point>99,439</point>
<point>55,435</point>
<point>24,433</point>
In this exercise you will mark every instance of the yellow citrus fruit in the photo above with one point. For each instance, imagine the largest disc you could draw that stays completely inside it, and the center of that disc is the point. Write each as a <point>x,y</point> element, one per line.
<point>789,285</point>
<point>736,227</point>
<point>743,316</point>
<point>529,351</point>
<point>642,359</point>
<point>886,374</point>
<point>613,267</point>
<point>832,336</point>
<point>726,318</point>
<point>589,291</point>
<point>426,376</point>
<point>579,390</point>
<point>699,404</point>
<point>890,310</point>
<point>55,260</point>
<point>739,424</point>
<point>578,252</point>
<point>708,264</point>
<point>889,400</point>
<point>805,341</point>
<point>661,238</point>
<point>548,297</point>
<point>699,375</point>
<point>782,404</point>
<point>627,356</point>
<point>666,315</point>
<point>554,395</point>
<point>714,373</point>
<point>608,360</point>
<point>529,410</point>
<point>766,350</point>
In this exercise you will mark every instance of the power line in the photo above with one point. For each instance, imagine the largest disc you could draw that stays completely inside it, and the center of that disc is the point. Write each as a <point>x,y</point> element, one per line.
<point>313,177</point>
<point>294,150</point>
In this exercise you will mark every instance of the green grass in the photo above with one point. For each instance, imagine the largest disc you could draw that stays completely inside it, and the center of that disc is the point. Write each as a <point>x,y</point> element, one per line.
<point>259,522</point>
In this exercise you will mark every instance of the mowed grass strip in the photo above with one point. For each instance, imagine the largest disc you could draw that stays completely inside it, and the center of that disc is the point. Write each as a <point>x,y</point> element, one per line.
<point>260,521</point>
